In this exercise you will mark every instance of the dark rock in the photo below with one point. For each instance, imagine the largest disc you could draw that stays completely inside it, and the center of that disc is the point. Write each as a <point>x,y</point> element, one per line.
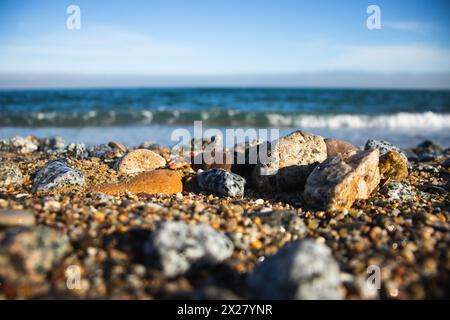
<point>221,182</point>
<point>303,270</point>
<point>56,174</point>
<point>99,151</point>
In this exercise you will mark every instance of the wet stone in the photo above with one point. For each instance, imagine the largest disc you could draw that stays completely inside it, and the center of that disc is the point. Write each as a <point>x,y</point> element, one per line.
<point>303,270</point>
<point>179,246</point>
<point>56,174</point>
<point>221,182</point>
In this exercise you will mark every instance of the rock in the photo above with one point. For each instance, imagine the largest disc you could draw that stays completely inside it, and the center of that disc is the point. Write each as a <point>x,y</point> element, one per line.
<point>410,154</point>
<point>27,256</point>
<point>210,143</point>
<point>156,181</point>
<point>221,182</point>
<point>99,151</point>
<point>150,145</point>
<point>393,166</point>
<point>17,218</point>
<point>246,158</point>
<point>19,144</point>
<point>397,191</point>
<point>336,147</point>
<point>56,174</point>
<point>10,175</point>
<point>140,160</point>
<point>77,151</point>
<point>214,159</point>
<point>429,147</point>
<point>302,270</point>
<point>383,147</point>
<point>53,144</point>
<point>117,146</point>
<point>284,220</point>
<point>291,160</point>
<point>339,181</point>
<point>178,246</point>
<point>446,163</point>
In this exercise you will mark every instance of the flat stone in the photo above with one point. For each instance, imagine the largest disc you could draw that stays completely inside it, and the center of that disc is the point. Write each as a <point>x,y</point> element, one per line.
<point>179,246</point>
<point>27,256</point>
<point>291,160</point>
<point>17,218</point>
<point>221,182</point>
<point>336,147</point>
<point>339,181</point>
<point>56,174</point>
<point>140,160</point>
<point>302,270</point>
<point>10,175</point>
<point>151,182</point>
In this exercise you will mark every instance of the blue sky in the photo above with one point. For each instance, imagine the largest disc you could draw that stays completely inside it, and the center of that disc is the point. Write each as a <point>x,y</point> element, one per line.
<point>210,37</point>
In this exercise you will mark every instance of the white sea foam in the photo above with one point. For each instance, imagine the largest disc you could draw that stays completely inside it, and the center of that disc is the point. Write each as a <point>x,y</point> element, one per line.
<point>426,120</point>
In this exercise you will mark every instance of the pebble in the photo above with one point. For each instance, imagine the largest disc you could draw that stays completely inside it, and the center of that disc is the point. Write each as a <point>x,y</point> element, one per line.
<point>19,144</point>
<point>29,255</point>
<point>17,218</point>
<point>156,181</point>
<point>393,166</point>
<point>284,220</point>
<point>53,144</point>
<point>336,147</point>
<point>10,175</point>
<point>140,160</point>
<point>339,181</point>
<point>56,174</point>
<point>77,151</point>
<point>99,151</point>
<point>302,270</point>
<point>221,182</point>
<point>398,191</point>
<point>292,159</point>
<point>178,246</point>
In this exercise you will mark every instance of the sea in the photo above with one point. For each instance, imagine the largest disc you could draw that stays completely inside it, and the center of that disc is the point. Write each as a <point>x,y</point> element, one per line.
<point>134,115</point>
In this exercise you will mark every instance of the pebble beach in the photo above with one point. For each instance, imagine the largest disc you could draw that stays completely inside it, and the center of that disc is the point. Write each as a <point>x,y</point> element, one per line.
<point>111,222</point>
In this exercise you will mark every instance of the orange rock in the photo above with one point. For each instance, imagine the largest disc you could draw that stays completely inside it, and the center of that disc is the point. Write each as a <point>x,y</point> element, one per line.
<point>157,181</point>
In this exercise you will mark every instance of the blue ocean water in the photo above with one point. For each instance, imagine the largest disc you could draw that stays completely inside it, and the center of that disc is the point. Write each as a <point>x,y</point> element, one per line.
<point>135,115</point>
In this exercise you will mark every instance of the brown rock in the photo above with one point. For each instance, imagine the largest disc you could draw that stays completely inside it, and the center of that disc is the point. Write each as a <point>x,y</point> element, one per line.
<point>210,160</point>
<point>292,158</point>
<point>339,181</point>
<point>336,146</point>
<point>156,181</point>
<point>393,166</point>
<point>140,160</point>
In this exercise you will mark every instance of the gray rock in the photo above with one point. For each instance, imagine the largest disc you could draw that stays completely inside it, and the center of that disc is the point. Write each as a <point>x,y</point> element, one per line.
<point>53,144</point>
<point>19,144</point>
<point>221,182</point>
<point>99,151</point>
<point>10,175</point>
<point>383,147</point>
<point>77,151</point>
<point>429,147</point>
<point>178,246</point>
<point>397,191</point>
<point>56,174</point>
<point>29,255</point>
<point>284,220</point>
<point>446,163</point>
<point>303,270</point>
<point>289,161</point>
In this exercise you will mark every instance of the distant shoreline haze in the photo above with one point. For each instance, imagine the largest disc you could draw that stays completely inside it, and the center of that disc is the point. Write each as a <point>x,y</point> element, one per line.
<point>350,80</point>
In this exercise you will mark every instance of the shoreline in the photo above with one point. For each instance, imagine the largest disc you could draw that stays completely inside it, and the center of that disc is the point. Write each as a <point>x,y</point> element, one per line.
<point>111,238</point>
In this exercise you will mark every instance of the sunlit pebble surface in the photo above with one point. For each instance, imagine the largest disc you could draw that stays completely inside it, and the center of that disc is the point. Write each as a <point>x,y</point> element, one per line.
<point>409,240</point>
